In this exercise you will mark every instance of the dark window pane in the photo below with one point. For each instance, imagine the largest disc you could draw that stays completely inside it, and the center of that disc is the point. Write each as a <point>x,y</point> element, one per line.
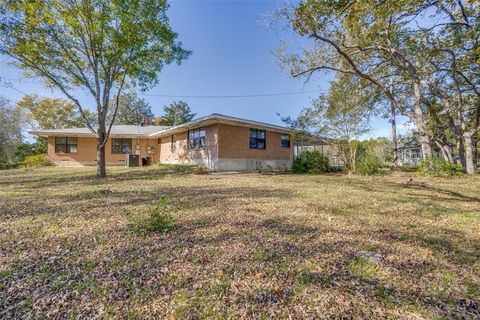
<point>60,140</point>
<point>257,139</point>
<point>285,140</point>
<point>60,148</point>
<point>196,138</point>
<point>253,143</point>
<point>121,146</point>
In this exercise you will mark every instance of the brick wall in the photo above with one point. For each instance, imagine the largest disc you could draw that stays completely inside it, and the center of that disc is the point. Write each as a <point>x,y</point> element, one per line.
<point>87,152</point>
<point>182,154</point>
<point>234,143</point>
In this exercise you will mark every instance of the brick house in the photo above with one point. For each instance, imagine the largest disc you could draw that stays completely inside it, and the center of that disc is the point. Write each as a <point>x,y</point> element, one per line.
<point>217,142</point>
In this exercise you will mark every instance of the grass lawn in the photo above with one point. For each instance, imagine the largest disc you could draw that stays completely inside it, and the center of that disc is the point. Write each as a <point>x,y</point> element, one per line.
<point>241,246</point>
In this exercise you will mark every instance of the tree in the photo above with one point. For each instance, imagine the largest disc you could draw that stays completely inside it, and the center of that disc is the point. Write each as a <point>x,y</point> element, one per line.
<point>133,110</point>
<point>10,131</point>
<point>342,115</point>
<point>388,44</point>
<point>97,46</point>
<point>52,113</point>
<point>176,113</point>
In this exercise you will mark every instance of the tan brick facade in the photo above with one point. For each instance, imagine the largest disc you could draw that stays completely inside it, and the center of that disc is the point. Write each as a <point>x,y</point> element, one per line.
<point>227,147</point>
<point>235,144</point>
<point>87,152</point>
<point>183,155</point>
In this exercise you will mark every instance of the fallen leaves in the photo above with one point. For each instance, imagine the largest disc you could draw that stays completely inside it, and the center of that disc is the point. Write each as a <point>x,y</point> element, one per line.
<point>243,246</point>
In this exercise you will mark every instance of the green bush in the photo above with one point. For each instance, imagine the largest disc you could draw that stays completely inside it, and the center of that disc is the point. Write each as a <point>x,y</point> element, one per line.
<point>369,164</point>
<point>439,167</point>
<point>310,162</point>
<point>179,168</point>
<point>38,160</point>
<point>408,168</point>
<point>154,219</point>
<point>200,170</point>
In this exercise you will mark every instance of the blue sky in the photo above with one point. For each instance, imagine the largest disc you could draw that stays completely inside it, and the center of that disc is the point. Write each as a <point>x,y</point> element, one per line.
<point>233,54</point>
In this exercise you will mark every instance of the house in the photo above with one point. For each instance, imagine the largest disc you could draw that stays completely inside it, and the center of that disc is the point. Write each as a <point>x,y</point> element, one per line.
<point>311,142</point>
<point>409,151</point>
<point>217,142</point>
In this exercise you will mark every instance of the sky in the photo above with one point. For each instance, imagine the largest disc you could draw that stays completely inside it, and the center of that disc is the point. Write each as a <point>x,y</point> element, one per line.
<point>233,54</point>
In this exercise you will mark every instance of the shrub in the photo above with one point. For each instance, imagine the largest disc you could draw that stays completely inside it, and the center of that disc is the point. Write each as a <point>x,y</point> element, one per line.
<point>408,168</point>
<point>179,168</point>
<point>38,160</point>
<point>310,162</point>
<point>369,164</point>
<point>154,219</point>
<point>439,167</point>
<point>199,170</point>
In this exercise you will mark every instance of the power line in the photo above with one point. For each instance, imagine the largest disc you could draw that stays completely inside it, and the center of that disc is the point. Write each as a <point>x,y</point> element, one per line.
<point>11,100</point>
<point>231,96</point>
<point>10,86</point>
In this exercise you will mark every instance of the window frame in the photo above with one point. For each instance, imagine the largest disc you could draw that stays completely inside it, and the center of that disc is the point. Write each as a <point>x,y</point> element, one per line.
<point>282,140</point>
<point>256,139</point>
<point>122,145</point>
<point>196,142</point>
<point>67,145</point>
<point>173,143</point>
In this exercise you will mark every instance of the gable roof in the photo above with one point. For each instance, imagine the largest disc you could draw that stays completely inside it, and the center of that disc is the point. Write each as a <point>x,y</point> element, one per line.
<point>219,118</point>
<point>159,131</point>
<point>117,130</point>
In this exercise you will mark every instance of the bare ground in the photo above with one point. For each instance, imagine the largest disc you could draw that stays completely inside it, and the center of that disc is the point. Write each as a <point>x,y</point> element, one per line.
<point>243,246</point>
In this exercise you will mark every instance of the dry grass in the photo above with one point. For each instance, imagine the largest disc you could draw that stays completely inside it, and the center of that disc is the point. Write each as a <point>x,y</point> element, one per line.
<point>242,246</point>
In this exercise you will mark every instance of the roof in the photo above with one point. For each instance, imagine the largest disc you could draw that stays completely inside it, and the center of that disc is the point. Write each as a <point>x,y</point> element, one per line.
<point>219,118</point>
<point>159,131</point>
<point>117,130</point>
<point>306,138</point>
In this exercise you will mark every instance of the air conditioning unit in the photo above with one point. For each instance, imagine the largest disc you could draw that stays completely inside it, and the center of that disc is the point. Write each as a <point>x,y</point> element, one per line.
<point>132,160</point>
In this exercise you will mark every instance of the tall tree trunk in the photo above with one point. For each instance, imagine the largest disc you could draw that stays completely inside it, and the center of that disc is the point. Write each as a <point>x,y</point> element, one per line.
<point>446,151</point>
<point>393,120</point>
<point>424,138</point>
<point>469,153</point>
<point>461,153</point>
<point>101,134</point>
<point>458,139</point>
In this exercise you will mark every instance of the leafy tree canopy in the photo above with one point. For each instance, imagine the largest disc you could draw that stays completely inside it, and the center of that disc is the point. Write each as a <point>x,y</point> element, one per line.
<point>176,113</point>
<point>97,46</point>
<point>52,113</point>
<point>133,110</point>
<point>10,131</point>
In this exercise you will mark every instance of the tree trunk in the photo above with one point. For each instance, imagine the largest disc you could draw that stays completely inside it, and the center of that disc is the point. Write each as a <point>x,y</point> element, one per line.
<point>446,151</point>
<point>101,167</point>
<point>423,138</point>
<point>393,119</point>
<point>469,153</point>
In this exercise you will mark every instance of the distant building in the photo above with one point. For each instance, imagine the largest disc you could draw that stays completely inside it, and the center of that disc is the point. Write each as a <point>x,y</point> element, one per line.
<point>410,152</point>
<point>310,142</point>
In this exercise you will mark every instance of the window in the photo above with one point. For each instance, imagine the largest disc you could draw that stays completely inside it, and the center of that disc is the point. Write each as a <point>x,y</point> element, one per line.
<point>66,145</point>
<point>415,153</point>
<point>196,138</point>
<point>173,143</point>
<point>257,139</point>
<point>285,141</point>
<point>121,146</point>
